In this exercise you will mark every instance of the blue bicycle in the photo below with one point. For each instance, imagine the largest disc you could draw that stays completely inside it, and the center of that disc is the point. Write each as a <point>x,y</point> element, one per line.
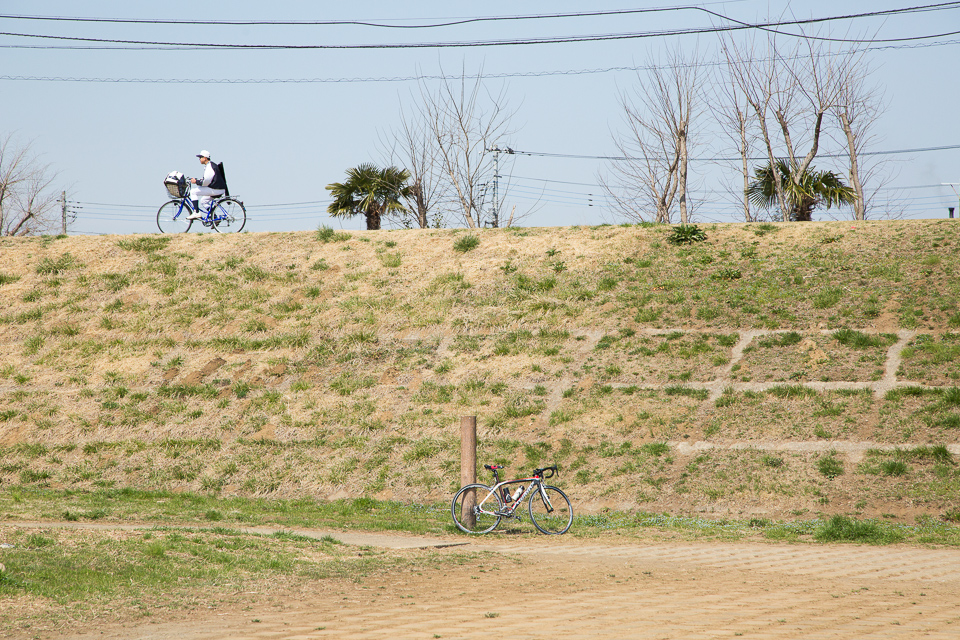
<point>226,214</point>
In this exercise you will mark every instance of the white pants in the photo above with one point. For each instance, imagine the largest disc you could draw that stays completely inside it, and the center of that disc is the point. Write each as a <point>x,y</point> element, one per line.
<point>205,195</point>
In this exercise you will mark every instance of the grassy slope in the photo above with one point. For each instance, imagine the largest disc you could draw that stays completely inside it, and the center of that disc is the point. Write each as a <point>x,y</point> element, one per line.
<point>701,379</point>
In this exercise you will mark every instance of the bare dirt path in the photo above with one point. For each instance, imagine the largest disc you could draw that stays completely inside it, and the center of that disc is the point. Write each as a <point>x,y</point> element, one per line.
<point>543,587</point>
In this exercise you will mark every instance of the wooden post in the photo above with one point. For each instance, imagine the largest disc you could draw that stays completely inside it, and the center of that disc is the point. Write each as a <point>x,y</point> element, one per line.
<point>468,466</point>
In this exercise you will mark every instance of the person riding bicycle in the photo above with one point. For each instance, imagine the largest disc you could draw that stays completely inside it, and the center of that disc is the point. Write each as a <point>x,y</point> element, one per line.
<point>213,184</point>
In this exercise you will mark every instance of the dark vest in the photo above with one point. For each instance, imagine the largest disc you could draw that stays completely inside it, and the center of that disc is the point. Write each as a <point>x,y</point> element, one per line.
<point>219,178</point>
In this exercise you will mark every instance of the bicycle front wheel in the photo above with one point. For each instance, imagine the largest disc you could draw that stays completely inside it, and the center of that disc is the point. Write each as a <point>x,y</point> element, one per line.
<point>172,217</point>
<point>550,510</point>
<point>473,509</point>
<point>228,216</point>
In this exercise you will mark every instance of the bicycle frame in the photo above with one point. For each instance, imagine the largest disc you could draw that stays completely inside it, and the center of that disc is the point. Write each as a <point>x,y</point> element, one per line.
<point>185,208</point>
<point>509,502</point>
<point>479,508</point>
<point>209,216</point>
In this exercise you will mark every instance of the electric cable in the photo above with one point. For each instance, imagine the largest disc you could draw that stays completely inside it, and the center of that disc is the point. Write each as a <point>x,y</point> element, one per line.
<point>379,24</point>
<point>418,78</point>
<point>737,25</point>
<point>576,156</point>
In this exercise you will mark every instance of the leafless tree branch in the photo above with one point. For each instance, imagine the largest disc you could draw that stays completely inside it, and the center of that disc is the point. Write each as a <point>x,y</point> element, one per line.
<point>27,199</point>
<point>659,116</point>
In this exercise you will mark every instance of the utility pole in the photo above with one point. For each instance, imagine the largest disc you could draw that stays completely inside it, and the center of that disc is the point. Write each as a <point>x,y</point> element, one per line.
<point>68,212</point>
<point>496,151</point>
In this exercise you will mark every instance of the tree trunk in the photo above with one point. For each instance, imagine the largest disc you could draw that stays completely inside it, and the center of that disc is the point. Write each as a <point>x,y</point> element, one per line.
<point>859,205</point>
<point>682,174</point>
<point>373,220</point>
<point>803,211</point>
<point>420,203</point>
<point>746,165</point>
<point>778,183</point>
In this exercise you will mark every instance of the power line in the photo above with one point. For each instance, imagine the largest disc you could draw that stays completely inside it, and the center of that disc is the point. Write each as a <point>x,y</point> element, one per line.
<point>88,206</point>
<point>417,78</point>
<point>516,74</point>
<point>378,24</point>
<point>575,156</point>
<point>736,26</point>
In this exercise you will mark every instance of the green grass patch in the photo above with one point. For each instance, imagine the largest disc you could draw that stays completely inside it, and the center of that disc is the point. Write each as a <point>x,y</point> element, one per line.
<point>830,467</point>
<point>791,391</point>
<point>391,260</point>
<point>843,529</point>
<point>679,390</point>
<point>346,383</point>
<point>685,234</point>
<point>145,244</point>
<point>205,391</point>
<point>858,340</point>
<point>269,343</point>
<point>466,243</point>
<point>326,234</point>
<point>53,266</point>
<point>786,339</point>
<point>168,567</point>
<point>827,298</point>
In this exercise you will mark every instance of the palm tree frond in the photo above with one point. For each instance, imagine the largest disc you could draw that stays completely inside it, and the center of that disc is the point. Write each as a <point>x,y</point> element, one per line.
<point>371,192</point>
<point>802,192</point>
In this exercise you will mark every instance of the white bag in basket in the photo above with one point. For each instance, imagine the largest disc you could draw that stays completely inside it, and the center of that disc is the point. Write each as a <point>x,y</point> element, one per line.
<point>176,184</point>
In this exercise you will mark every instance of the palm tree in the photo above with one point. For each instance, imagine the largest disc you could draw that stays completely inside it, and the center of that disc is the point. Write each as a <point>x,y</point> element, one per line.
<point>803,193</point>
<point>371,192</point>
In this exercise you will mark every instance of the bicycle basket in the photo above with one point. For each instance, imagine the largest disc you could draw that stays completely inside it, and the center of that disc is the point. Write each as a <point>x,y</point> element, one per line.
<point>176,184</point>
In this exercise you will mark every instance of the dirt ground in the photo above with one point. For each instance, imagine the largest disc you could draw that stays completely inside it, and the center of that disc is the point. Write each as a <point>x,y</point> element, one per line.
<point>541,587</point>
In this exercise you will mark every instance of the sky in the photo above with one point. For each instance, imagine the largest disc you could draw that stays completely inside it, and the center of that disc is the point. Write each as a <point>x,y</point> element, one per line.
<point>113,122</point>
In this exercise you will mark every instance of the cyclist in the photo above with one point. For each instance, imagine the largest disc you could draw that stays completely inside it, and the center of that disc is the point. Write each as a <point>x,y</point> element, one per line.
<point>205,189</point>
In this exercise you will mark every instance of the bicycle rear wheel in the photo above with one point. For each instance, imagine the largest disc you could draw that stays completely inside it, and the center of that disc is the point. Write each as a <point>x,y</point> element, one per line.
<point>228,215</point>
<point>479,519</point>
<point>172,217</point>
<point>550,510</point>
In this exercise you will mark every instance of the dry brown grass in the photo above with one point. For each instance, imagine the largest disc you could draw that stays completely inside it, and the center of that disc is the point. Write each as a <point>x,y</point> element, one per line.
<point>280,364</point>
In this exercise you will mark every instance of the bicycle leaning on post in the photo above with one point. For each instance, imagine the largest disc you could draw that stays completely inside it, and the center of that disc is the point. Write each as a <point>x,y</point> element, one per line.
<point>478,508</point>
<point>225,214</point>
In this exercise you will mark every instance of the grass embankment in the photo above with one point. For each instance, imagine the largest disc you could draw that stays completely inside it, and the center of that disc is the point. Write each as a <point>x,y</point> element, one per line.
<point>771,371</point>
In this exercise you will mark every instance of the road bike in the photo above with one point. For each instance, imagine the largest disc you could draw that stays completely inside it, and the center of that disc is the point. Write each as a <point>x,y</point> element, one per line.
<point>478,508</point>
<point>225,214</point>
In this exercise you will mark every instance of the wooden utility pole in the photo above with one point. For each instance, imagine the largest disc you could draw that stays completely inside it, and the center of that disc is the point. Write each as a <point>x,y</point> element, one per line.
<point>468,466</point>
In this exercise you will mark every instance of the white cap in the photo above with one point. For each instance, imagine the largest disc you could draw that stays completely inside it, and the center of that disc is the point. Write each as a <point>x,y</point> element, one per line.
<point>204,154</point>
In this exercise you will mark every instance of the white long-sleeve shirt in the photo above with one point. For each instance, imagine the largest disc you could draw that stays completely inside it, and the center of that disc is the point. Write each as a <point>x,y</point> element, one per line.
<point>208,174</point>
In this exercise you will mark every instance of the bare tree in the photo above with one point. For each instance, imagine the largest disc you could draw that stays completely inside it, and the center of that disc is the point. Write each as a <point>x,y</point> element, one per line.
<point>856,110</point>
<point>27,199</point>
<point>464,119</point>
<point>817,79</point>
<point>659,116</point>
<point>755,77</point>
<point>412,147</point>
<point>732,111</point>
<point>791,91</point>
